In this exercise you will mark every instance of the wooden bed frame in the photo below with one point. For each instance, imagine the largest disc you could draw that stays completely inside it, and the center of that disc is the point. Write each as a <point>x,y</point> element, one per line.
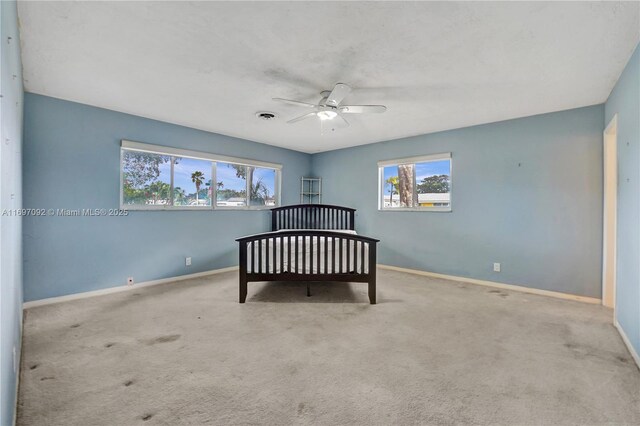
<point>317,224</point>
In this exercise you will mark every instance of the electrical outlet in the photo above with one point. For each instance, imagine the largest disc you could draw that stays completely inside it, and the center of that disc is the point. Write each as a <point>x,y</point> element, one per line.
<point>496,267</point>
<point>187,261</point>
<point>130,281</point>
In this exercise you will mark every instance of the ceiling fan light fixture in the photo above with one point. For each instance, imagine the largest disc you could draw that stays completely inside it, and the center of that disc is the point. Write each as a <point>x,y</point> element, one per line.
<point>327,115</point>
<point>330,108</point>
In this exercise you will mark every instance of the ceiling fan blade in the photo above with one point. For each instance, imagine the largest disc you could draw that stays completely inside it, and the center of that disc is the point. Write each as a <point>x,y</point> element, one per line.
<point>302,117</point>
<point>340,122</point>
<point>362,109</point>
<point>339,92</point>
<point>289,101</point>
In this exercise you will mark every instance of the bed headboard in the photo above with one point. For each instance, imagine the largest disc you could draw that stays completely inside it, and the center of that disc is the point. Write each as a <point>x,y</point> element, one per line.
<point>312,216</point>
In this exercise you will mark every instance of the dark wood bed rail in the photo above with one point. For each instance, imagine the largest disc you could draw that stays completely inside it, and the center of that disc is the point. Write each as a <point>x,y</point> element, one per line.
<point>352,259</point>
<point>312,216</point>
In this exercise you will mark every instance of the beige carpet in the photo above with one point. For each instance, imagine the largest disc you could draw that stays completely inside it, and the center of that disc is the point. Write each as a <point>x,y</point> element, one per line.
<point>431,352</point>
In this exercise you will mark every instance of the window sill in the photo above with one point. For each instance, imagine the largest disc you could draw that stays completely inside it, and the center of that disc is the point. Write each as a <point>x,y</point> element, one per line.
<point>207,208</point>
<point>246,208</point>
<point>418,209</point>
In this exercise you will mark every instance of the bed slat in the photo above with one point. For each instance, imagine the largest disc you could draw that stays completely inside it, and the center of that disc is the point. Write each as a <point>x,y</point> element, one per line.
<point>318,251</point>
<point>304,255</point>
<point>312,216</point>
<point>304,259</point>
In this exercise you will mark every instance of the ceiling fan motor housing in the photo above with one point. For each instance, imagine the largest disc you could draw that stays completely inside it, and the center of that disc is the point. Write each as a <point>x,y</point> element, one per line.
<point>329,107</point>
<point>326,112</point>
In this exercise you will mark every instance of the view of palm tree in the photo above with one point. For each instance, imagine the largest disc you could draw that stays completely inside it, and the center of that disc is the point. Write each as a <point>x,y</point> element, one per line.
<point>179,195</point>
<point>259,192</point>
<point>197,177</point>
<point>393,187</point>
<point>405,184</point>
<point>232,185</point>
<point>425,184</point>
<point>148,180</point>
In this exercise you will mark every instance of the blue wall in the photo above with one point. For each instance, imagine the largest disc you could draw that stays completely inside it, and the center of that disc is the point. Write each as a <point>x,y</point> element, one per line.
<point>72,160</point>
<point>624,100</point>
<point>10,198</point>
<point>526,193</point>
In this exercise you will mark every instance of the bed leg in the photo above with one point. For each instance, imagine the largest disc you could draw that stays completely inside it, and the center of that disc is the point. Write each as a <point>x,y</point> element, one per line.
<point>243,291</point>
<point>372,273</point>
<point>308,289</point>
<point>242,287</point>
<point>372,292</point>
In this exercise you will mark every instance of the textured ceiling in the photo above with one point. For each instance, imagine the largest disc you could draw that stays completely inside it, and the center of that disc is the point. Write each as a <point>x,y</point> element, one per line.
<point>436,66</point>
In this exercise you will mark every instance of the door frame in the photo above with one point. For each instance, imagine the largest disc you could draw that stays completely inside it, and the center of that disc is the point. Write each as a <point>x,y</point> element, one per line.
<point>609,219</point>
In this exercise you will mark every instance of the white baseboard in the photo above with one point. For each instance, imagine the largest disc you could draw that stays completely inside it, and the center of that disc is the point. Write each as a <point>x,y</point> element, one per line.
<point>627,342</point>
<point>519,288</point>
<point>118,289</point>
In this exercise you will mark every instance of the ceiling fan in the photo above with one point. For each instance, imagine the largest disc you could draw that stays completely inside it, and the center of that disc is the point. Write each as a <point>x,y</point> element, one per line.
<point>329,108</point>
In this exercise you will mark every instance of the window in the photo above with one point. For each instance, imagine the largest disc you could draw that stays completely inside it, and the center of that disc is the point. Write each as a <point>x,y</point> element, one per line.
<point>156,177</point>
<point>146,178</point>
<point>191,182</point>
<point>232,185</point>
<point>236,180</point>
<point>262,187</point>
<point>417,183</point>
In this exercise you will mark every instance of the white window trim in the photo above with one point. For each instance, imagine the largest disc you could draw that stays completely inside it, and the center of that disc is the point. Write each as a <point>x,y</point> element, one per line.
<point>197,155</point>
<point>417,159</point>
<point>414,160</point>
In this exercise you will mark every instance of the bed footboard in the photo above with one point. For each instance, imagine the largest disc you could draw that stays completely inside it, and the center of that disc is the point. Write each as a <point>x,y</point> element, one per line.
<point>307,256</point>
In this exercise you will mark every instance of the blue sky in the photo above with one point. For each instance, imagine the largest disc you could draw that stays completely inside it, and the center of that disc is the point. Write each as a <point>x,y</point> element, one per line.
<point>423,170</point>
<point>225,173</point>
<point>182,173</point>
<point>268,177</point>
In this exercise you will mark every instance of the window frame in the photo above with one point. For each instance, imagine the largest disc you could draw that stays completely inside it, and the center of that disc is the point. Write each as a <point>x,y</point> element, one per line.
<point>414,160</point>
<point>127,145</point>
